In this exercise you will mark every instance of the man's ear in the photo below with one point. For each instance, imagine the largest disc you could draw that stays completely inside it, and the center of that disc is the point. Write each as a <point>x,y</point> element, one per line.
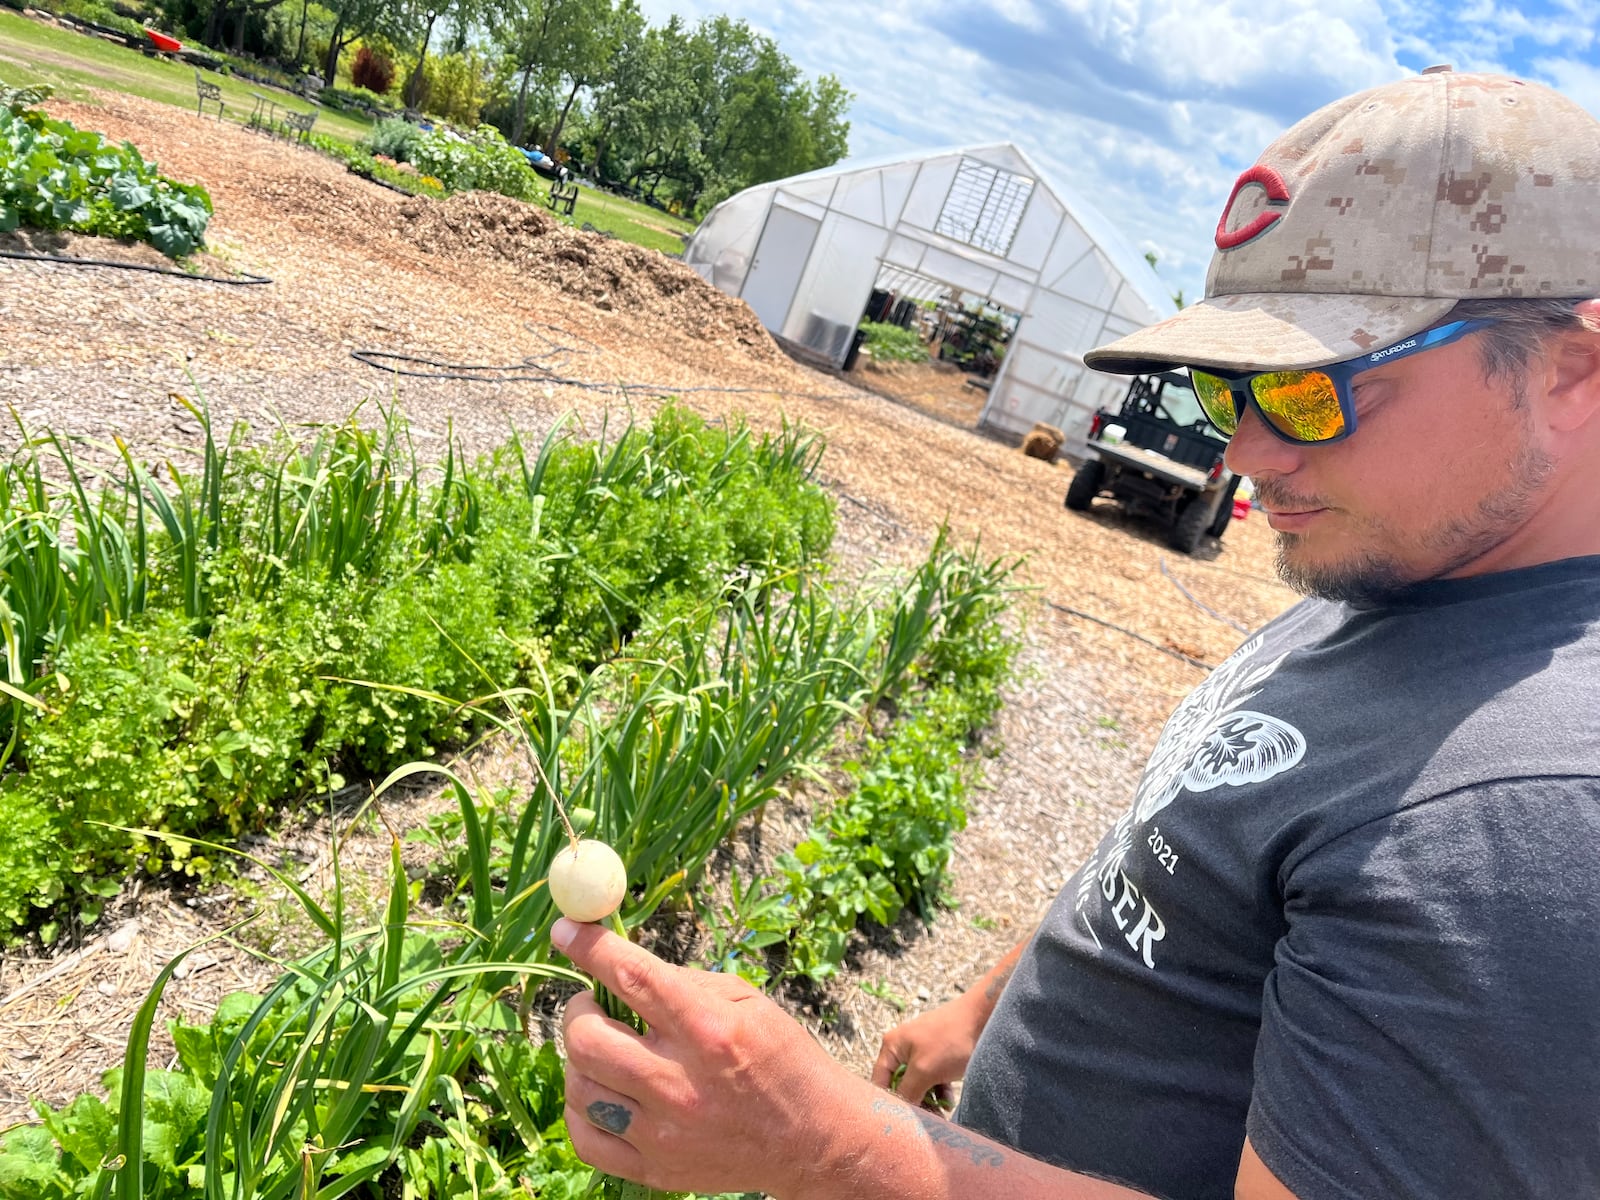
<point>1572,373</point>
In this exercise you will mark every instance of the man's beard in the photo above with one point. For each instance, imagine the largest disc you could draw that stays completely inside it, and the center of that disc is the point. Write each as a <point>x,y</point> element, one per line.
<point>1374,578</point>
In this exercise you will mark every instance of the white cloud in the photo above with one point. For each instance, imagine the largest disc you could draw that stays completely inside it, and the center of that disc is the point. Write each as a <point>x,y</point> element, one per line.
<point>1579,80</point>
<point>1147,109</point>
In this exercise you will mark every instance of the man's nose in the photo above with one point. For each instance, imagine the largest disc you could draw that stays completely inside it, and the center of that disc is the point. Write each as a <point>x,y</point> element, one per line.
<point>1256,450</point>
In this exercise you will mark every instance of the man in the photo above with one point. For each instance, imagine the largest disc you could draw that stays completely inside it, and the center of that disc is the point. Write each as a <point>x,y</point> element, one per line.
<point>1343,943</point>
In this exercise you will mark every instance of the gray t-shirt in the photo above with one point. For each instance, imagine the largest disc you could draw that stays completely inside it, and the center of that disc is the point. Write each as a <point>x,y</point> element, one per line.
<point>1353,912</point>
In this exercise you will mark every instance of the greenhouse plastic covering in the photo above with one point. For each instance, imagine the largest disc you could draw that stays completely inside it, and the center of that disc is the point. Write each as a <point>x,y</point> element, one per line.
<point>806,253</point>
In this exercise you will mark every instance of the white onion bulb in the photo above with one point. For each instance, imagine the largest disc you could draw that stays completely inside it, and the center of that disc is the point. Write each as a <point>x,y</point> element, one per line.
<point>587,880</point>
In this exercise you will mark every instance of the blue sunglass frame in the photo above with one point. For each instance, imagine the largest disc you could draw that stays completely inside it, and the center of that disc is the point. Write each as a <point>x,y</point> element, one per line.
<point>1339,374</point>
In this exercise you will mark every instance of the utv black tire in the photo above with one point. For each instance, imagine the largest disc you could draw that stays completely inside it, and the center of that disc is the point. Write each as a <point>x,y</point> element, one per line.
<point>1085,485</point>
<point>1225,509</point>
<point>1224,515</point>
<point>1191,525</point>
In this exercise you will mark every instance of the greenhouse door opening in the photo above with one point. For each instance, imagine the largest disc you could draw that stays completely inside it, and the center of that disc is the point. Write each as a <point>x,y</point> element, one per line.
<point>932,345</point>
<point>780,257</point>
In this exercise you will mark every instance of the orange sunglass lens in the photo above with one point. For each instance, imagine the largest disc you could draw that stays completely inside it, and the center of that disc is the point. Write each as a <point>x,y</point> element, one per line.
<point>1302,404</point>
<point>1216,398</point>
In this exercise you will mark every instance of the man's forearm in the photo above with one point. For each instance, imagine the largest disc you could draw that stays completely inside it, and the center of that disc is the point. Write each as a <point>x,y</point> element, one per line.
<point>993,981</point>
<point>882,1146</point>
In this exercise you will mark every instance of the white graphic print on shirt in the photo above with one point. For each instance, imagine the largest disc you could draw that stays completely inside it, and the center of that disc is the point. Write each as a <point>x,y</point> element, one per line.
<point>1209,741</point>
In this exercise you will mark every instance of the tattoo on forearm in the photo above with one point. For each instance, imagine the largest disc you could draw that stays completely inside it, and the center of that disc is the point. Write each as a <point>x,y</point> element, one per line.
<point>939,1130</point>
<point>998,984</point>
<point>613,1118</point>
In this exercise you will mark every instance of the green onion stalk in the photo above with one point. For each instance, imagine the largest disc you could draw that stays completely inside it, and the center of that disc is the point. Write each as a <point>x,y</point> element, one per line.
<point>587,883</point>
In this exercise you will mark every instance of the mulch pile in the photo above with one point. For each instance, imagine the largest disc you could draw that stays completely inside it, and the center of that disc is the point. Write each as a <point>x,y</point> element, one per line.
<point>604,272</point>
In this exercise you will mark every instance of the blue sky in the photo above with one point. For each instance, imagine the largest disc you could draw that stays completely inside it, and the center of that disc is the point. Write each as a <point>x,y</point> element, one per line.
<point>1146,109</point>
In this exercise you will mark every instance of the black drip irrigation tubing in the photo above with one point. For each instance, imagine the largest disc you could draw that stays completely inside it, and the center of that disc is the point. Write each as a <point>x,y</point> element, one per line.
<point>546,367</point>
<point>244,278</point>
<point>1188,658</point>
<point>1200,604</point>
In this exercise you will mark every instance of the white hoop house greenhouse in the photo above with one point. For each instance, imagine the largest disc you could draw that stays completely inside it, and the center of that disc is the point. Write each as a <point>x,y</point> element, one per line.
<point>977,230</point>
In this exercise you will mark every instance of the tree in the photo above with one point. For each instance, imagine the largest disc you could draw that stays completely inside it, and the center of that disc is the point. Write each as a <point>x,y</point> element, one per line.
<point>593,53</point>
<point>698,111</point>
<point>356,19</point>
<point>759,120</point>
<point>423,16</point>
<point>237,11</point>
<point>645,111</point>
<point>546,38</point>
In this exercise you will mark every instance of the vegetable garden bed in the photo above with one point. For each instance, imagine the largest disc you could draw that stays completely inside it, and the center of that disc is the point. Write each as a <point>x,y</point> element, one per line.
<point>93,353</point>
<point>391,1047</point>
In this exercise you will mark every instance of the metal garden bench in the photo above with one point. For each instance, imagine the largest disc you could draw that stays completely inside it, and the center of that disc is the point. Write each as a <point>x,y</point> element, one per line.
<point>206,93</point>
<point>563,197</point>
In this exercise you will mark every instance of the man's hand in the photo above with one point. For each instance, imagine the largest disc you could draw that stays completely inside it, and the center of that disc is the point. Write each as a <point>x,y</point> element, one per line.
<point>725,1092</point>
<point>934,1049</point>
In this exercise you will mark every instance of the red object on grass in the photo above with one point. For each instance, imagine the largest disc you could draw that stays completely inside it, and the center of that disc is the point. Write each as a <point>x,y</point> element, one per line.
<point>162,42</point>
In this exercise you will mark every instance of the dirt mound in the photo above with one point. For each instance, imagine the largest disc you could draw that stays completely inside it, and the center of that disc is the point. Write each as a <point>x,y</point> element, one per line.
<point>611,275</point>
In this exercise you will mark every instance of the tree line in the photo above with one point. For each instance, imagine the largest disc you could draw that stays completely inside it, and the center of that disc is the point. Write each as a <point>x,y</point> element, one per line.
<point>685,113</point>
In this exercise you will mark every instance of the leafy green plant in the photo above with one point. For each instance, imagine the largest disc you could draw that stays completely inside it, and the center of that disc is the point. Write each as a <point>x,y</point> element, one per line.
<point>880,989</point>
<point>382,1056</point>
<point>55,176</point>
<point>891,343</point>
<point>884,846</point>
<point>359,160</point>
<point>101,15</point>
<point>396,1057</point>
<point>944,649</point>
<point>708,718</point>
<point>741,929</point>
<point>177,650</point>
<point>394,1052</point>
<point>16,99</point>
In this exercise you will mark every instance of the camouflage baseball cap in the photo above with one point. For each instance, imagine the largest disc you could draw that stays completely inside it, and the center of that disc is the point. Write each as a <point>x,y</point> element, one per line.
<point>1368,220</point>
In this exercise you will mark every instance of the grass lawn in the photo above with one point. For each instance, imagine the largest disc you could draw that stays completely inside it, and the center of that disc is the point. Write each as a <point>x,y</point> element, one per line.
<point>636,223</point>
<point>33,52</point>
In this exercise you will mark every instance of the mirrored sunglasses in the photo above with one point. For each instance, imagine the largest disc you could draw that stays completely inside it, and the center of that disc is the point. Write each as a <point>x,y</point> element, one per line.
<point>1310,406</point>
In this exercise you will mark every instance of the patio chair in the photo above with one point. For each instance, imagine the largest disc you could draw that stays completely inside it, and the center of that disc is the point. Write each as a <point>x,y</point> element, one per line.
<point>297,126</point>
<point>206,93</point>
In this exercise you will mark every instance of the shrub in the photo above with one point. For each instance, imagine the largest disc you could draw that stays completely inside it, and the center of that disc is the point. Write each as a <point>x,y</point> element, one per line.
<point>483,162</point>
<point>456,86</point>
<point>357,98</point>
<point>372,71</point>
<point>96,14</point>
<point>393,138</point>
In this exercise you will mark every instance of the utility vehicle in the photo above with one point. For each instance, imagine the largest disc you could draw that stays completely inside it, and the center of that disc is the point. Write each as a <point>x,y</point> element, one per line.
<point>1160,457</point>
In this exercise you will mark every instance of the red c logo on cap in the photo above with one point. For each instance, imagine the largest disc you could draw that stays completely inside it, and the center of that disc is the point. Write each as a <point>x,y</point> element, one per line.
<point>1268,181</point>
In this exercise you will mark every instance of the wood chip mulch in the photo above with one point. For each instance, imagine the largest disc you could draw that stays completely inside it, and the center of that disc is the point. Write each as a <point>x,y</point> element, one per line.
<point>600,329</point>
